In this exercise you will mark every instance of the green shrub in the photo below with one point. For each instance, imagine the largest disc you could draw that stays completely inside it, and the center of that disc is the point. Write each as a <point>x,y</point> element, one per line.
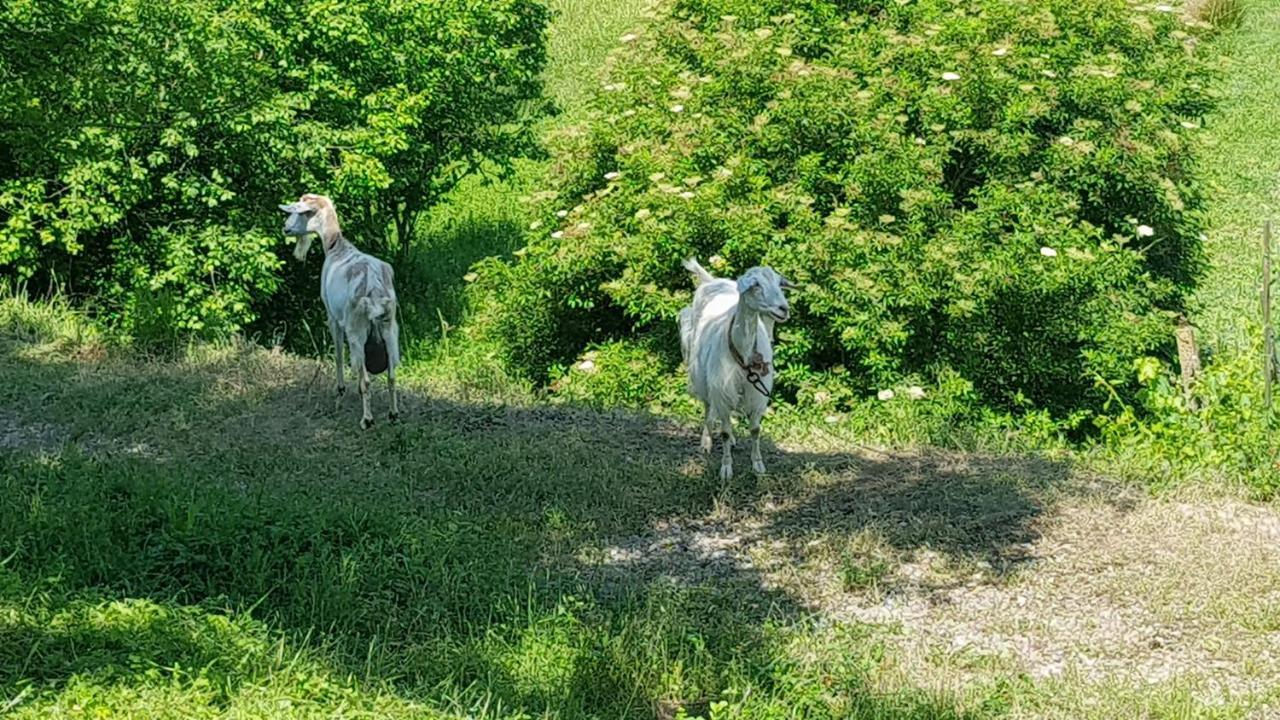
<point>993,188</point>
<point>620,374</point>
<point>144,145</point>
<point>1228,436</point>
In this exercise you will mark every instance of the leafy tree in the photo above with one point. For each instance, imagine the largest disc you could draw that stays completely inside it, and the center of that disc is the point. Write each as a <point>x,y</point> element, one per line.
<point>144,143</point>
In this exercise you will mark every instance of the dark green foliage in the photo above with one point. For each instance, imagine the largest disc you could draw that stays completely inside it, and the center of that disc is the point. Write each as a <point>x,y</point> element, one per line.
<point>144,145</point>
<point>908,162</point>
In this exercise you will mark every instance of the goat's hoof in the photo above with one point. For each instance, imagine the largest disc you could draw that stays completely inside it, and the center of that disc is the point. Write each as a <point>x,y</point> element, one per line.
<point>726,472</point>
<point>366,423</point>
<point>705,446</point>
<point>757,467</point>
<point>393,417</point>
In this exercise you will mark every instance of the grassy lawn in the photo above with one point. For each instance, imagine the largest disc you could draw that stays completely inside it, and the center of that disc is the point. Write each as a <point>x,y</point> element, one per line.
<point>212,537</point>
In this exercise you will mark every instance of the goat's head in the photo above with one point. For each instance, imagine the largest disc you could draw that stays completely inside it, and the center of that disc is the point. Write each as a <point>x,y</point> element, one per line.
<point>310,215</point>
<point>762,290</point>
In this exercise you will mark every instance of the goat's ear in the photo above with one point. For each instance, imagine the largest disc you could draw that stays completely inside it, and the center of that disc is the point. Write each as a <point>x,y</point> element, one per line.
<point>292,208</point>
<point>786,284</point>
<point>747,282</point>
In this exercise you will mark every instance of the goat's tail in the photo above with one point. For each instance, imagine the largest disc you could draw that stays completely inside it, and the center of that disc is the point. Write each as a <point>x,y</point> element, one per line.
<point>375,309</point>
<point>698,271</point>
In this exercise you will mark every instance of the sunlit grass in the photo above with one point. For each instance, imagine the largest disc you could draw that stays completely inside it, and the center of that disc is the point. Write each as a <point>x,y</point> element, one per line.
<point>1241,157</point>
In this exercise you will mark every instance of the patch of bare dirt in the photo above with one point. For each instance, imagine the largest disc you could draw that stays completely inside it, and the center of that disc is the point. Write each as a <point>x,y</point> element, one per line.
<point>1138,592</point>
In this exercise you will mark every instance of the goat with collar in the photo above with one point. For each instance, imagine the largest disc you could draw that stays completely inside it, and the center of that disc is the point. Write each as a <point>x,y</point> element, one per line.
<point>726,339</point>
<point>359,296</point>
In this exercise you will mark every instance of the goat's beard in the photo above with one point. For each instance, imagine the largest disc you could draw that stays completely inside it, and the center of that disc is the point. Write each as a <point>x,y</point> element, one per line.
<point>300,249</point>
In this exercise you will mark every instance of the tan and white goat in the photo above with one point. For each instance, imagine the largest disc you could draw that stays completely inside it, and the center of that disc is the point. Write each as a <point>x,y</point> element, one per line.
<point>359,295</point>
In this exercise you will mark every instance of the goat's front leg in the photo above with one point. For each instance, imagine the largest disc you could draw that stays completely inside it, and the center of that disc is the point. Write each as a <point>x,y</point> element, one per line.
<point>757,462</point>
<point>356,352</point>
<point>726,453</point>
<point>706,431</point>
<point>339,339</point>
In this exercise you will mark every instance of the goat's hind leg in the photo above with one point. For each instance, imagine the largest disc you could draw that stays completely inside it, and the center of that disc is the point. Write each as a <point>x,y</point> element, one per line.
<point>705,445</point>
<point>392,338</point>
<point>338,337</point>
<point>356,351</point>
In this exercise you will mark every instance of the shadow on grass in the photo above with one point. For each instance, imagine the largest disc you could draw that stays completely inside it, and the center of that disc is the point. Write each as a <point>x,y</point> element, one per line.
<point>444,556</point>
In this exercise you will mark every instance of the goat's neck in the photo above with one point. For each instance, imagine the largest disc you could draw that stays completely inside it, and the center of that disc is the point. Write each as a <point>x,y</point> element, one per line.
<point>335,245</point>
<point>744,331</point>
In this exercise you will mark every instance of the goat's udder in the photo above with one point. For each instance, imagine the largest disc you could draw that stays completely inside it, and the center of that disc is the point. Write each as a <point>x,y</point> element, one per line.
<point>375,355</point>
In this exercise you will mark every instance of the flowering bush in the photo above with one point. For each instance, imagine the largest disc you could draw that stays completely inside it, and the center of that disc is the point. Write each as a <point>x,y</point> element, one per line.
<point>993,188</point>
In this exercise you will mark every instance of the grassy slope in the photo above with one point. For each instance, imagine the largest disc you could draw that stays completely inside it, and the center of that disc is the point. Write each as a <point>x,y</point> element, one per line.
<point>1242,161</point>
<point>212,538</point>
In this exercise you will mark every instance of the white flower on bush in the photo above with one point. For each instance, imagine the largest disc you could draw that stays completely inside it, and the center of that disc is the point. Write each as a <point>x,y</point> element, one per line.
<point>629,37</point>
<point>1000,52</point>
<point>1164,8</point>
<point>687,195</point>
<point>915,392</point>
<point>1048,252</point>
<point>614,175</point>
<point>562,213</point>
<point>535,224</point>
<point>1146,231</point>
<point>885,395</point>
<point>677,108</point>
<point>557,234</point>
<point>950,76</point>
<point>643,213</point>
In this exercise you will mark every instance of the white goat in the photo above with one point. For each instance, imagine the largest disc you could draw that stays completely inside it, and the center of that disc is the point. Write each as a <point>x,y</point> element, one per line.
<point>359,295</point>
<point>726,338</point>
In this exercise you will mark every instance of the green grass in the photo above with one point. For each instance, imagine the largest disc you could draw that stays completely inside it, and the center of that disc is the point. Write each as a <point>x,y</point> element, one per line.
<point>1241,158</point>
<point>212,537</point>
<point>254,549</point>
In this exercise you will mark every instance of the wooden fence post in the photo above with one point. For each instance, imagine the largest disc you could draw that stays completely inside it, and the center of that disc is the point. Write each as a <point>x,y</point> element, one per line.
<point>1188,360</point>
<point>1268,332</point>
